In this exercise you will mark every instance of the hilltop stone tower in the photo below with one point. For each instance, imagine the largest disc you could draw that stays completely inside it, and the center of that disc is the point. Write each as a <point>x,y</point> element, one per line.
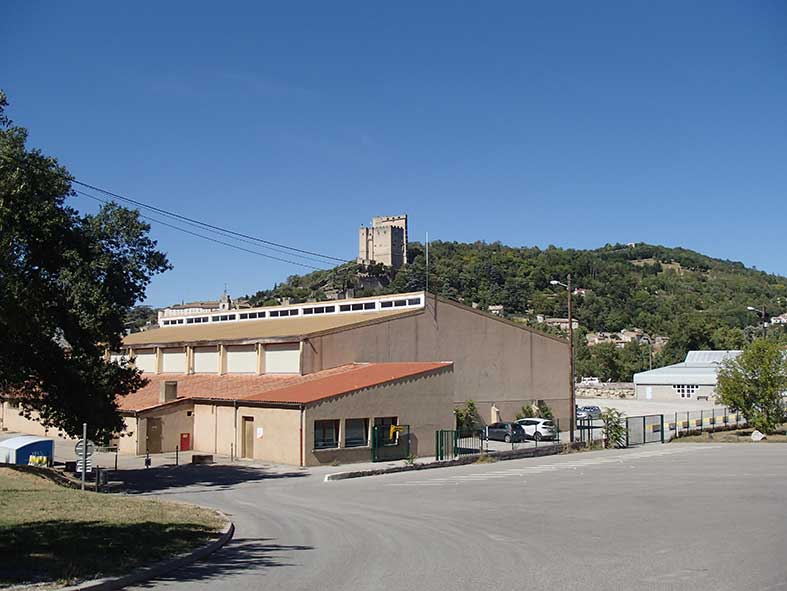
<point>384,242</point>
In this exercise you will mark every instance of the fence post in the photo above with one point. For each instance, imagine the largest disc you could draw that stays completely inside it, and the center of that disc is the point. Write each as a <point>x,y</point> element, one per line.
<point>644,430</point>
<point>702,420</point>
<point>177,455</point>
<point>662,428</point>
<point>627,432</point>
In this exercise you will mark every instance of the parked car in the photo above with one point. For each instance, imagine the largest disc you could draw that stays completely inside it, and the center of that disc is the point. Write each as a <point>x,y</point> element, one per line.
<point>537,429</point>
<point>589,412</point>
<point>581,414</point>
<point>507,431</point>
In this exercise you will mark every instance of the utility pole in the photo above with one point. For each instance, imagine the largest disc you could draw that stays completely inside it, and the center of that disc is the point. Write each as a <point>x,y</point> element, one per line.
<point>571,359</point>
<point>427,262</point>
<point>84,453</point>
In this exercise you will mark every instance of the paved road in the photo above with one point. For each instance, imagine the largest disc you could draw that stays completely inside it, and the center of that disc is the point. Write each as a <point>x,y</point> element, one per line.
<point>590,521</point>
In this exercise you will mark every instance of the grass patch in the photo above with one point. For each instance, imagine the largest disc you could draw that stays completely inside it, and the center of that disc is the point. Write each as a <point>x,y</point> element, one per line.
<point>737,436</point>
<point>52,533</point>
<point>485,458</point>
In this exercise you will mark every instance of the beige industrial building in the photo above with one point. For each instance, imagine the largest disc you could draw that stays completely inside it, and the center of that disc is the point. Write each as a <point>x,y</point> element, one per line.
<point>308,384</point>
<point>385,242</point>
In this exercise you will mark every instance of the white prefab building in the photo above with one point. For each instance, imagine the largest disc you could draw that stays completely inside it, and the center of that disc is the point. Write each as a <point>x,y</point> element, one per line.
<point>693,379</point>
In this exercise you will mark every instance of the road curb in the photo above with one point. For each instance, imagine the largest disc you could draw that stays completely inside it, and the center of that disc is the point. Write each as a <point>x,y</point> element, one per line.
<point>499,456</point>
<point>146,573</point>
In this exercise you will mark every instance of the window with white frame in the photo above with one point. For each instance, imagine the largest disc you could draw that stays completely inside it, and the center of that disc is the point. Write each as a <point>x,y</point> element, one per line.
<point>326,434</point>
<point>356,432</point>
<point>685,390</point>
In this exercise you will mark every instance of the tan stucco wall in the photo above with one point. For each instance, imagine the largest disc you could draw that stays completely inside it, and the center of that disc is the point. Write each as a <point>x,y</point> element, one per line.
<point>11,419</point>
<point>494,361</point>
<point>423,402</point>
<point>128,442</point>
<point>215,431</point>
<point>175,419</point>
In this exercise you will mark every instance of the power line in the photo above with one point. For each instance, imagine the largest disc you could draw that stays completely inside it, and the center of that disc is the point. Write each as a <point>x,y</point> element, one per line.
<point>198,235</point>
<point>227,234</point>
<point>205,224</point>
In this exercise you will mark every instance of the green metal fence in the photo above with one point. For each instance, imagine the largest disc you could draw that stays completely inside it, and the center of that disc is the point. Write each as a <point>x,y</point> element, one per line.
<point>390,444</point>
<point>644,429</point>
<point>450,443</point>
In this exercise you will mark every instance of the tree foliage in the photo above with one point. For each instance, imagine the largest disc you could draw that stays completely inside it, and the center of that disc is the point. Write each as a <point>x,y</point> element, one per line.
<point>467,416</point>
<point>613,427</point>
<point>67,282</point>
<point>754,382</point>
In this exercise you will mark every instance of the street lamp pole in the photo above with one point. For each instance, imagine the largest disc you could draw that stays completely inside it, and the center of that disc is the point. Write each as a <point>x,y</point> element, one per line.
<point>572,391</point>
<point>763,315</point>
<point>571,360</point>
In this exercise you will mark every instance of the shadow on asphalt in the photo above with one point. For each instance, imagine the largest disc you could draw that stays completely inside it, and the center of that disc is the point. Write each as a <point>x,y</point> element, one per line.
<point>212,477</point>
<point>237,556</point>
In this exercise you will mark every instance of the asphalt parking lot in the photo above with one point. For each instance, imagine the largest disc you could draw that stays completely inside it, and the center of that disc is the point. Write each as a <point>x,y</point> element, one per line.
<point>658,517</point>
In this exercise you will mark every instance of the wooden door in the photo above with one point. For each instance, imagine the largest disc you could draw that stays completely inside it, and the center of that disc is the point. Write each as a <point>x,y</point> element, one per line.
<point>247,449</point>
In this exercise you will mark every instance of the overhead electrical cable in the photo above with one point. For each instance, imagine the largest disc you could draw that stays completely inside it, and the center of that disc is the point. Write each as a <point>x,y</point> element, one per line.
<point>207,225</point>
<point>210,238</point>
<point>227,234</point>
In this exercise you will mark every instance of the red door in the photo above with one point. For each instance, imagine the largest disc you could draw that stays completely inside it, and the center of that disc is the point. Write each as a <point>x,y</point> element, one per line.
<point>185,441</point>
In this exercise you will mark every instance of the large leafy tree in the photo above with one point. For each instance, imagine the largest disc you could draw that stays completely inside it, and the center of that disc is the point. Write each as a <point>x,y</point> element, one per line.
<point>753,383</point>
<point>67,282</point>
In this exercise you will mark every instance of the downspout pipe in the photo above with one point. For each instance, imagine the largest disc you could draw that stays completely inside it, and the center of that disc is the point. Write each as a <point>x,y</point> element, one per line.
<point>301,437</point>
<point>235,435</point>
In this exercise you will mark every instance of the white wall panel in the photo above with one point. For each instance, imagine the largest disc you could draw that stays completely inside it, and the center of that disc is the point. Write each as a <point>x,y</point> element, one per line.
<point>145,359</point>
<point>284,358</point>
<point>206,360</point>
<point>173,360</point>
<point>242,359</point>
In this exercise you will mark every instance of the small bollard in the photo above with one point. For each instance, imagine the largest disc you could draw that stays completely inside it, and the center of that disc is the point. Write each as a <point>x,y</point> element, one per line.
<point>147,459</point>
<point>177,450</point>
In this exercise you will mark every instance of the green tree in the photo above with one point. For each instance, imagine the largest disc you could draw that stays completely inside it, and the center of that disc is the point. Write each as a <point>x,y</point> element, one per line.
<point>67,284</point>
<point>614,430</point>
<point>466,416</point>
<point>526,411</point>
<point>753,383</point>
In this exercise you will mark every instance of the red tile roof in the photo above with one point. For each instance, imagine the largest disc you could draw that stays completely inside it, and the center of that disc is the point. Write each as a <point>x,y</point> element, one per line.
<point>286,389</point>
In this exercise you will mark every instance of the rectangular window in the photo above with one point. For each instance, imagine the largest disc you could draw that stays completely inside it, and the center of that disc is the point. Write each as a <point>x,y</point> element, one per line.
<point>233,317</point>
<point>274,313</point>
<point>307,311</point>
<point>356,307</point>
<point>214,318</point>
<point>330,309</point>
<point>356,432</point>
<point>399,303</point>
<point>386,304</point>
<point>224,317</point>
<point>383,425</point>
<point>243,316</point>
<point>189,321</point>
<point>326,434</point>
<point>414,302</point>
<point>344,308</point>
<point>369,306</point>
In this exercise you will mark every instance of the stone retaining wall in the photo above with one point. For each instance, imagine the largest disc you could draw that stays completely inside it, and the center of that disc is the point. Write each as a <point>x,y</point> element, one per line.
<point>623,390</point>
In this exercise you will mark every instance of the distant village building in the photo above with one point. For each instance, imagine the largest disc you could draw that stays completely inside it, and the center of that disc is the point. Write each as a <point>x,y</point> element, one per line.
<point>170,315</point>
<point>385,242</point>
<point>781,319</point>
<point>560,323</point>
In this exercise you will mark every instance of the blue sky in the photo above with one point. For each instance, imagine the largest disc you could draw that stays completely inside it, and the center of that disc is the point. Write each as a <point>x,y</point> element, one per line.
<point>565,123</point>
